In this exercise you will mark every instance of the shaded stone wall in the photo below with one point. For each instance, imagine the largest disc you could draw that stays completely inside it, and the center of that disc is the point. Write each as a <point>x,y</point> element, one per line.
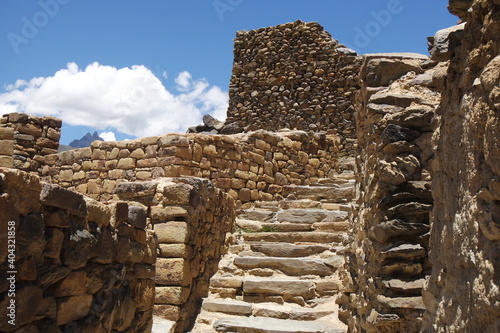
<point>249,167</point>
<point>462,294</point>
<point>293,76</point>
<point>26,139</point>
<point>387,256</point>
<point>74,264</point>
<point>193,222</point>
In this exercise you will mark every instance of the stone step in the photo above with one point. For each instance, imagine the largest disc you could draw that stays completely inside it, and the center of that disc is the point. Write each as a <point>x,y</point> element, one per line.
<point>331,226</point>
<point>272,325</point>
<point>268,310</point>
<point>302,204</point>
<point>288,266</point>
<point>285,227</point>
<point>229,306</point>
<point>295,237</point>
<point>310,215</point>
<point>288,288</point>
<point>325,193</point>
<point>289,250</point>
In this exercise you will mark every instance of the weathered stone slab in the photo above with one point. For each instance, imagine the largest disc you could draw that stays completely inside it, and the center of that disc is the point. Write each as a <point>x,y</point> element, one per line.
<point>288,311</point>
<point>402,302</point>
<point>171,295</point>
<point>289,266</point>
<point>55,196</point>
<point>262,325</point>
<point>301,215</point>
<point>292,237</point>
<point>288,250</point>
<point>172,232</point>
<point>230,306</point>
<point>171,272</point>
<point>302,288</point>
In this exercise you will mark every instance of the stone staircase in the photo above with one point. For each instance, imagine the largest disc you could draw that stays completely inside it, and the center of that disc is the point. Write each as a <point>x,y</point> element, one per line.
<point>281,276</point>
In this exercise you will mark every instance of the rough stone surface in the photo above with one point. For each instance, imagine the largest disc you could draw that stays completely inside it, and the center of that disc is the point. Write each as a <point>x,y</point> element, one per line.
<point>261,325</point>
<point>388,229</point>
<point>466,227</point>
<point>293,76</point>
<point>67,261</point>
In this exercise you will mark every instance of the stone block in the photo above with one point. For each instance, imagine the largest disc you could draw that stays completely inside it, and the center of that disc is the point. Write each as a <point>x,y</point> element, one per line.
<point>289,266</point>
<point>173,140</point>
<point>72,285</point>
<point>70,309</point>
<point>105,250</point>
<point>168,312</point>
<point>137,217</point>
<point>126,163</point>
<point>174,251</point>
<point>6,162</point>
<point>302,288</point>
<point>55,196</point>
<point>98,212</point>
<point>6,147</point>
<point>172,272</point>
<point>54,240</point>
<point>171,295</point>
<point>228,306</point>
<point>6,133</point>
<point>177,194</point>
<point>161,214</point>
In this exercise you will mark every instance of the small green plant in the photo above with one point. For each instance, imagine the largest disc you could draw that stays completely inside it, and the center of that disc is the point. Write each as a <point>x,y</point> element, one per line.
<point>268,228</point>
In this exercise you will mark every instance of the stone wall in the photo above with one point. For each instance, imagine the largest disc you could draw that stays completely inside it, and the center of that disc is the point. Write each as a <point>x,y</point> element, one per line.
<point>462,294</point>
<point>293,76</point>
<point>387,257</point>
<point>72,264</point>
<point>249,167</point>
<point>25,140</point>
<point>193,222</point>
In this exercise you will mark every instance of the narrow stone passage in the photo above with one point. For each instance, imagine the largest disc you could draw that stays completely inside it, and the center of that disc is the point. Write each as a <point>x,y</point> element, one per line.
<point>281,275</point>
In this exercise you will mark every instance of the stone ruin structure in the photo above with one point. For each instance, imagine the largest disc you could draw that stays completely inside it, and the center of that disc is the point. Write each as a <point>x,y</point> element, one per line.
<point>293,76</point>
<point>348,193</point>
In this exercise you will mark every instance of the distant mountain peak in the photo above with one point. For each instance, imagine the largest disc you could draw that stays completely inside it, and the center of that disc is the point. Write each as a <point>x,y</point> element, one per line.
<point>86,140</point>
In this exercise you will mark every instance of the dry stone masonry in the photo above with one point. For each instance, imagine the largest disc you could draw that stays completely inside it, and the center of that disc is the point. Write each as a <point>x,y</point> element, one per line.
<point>193,223</point>
<point>251,166</point>
<point>462,294</point>
<point>388,252</point>
<point>80,265</point>
<point>25,140</point>
<point>293,76</point>
<point>280,276</point>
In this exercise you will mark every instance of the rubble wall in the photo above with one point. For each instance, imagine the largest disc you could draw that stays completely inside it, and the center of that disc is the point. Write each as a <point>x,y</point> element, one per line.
<point>72,264</point>
<point>193,222</point>
<point>293,76</point>
<point>462,294</point>
<point>387,256</point>
<point>26,139</point>
<point>249,167</point>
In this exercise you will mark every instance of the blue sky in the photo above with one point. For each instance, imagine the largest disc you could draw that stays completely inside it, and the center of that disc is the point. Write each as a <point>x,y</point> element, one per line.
<point>132,68</point>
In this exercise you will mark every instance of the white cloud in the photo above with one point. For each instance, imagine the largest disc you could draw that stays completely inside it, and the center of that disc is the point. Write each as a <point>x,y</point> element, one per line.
<point>183,81</point>
<point>108,136</point>
<point>129,100</point>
